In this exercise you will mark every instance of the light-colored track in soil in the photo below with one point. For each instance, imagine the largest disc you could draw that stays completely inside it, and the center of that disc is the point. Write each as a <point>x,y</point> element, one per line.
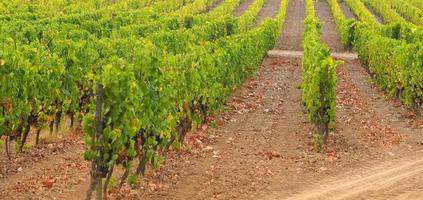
<point>299,54</point>
<point>388,180</point>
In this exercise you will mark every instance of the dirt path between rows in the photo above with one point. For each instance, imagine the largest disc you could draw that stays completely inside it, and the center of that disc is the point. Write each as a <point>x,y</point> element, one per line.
<point>264,148</point>
<point>376,143</point>
<point>269,10</point>
<point>348,13</point>
<point>242,7</point>
<point>293,29</point>
<point>49,171</point>
<point>255,147</point>
<point>393,178</point>
<point>330,34</point>
<point>381,147</point>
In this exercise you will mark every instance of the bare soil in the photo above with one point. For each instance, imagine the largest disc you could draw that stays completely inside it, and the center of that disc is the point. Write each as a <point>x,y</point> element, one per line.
<point>242,8</point>
<point>48,171</point>
<point>349,14</point>
<point>382,149</point>
<point>293,29</point>
<point>392,179</point>
<point>269,10</point>
<point>330,34</point>
<point>262,147</point>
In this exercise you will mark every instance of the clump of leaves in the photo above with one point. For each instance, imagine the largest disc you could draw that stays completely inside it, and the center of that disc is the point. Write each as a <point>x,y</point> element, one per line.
<point>319,143</point>
<point>214,125</point>
<point>133,180</point>
<point>112,182</point>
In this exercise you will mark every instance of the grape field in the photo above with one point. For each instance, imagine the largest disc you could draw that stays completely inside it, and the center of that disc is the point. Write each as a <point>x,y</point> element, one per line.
<point>211,99</point>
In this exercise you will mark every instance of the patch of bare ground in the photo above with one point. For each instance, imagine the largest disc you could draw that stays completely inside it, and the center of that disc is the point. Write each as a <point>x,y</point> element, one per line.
<point>47,171</point>
<point>330,34</point>
<point>375,152</point>
<point>293,29</point>
<point>242,8</point>
<point>262,140</point>
<point>269,10</point>
<point>349,14</point>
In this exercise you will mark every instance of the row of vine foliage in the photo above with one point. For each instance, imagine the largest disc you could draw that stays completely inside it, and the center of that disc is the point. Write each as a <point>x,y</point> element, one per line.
<point>148,101</point>
<point>392,54</point>
<point>396,26</point>
<point>48,65</point>
<point>417,3</point>
<point>318,79</point>
<point>139,78</point>
<point>408,11</point>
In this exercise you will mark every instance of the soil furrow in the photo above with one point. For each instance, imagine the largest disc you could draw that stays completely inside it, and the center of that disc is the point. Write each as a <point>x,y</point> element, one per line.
<point>251,151</point>
<point>401,119</point>
<point>242,7</point>
<point>269,10</point>
<point>330,34</point>
<point>293,31</point>
<point>349,14</point>
<point>370,183</point>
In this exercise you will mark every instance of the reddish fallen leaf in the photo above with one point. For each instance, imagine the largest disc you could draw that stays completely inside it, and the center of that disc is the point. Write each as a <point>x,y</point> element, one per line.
<point>270,154</point>
<point>48,184</point>
<point>220,122</point>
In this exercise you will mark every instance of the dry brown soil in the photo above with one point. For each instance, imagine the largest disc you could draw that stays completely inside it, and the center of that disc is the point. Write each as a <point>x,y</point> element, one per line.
<point>242,7</point>
<point>347,10</point>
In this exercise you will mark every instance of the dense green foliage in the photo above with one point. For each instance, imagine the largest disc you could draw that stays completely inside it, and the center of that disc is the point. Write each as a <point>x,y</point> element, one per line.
<point>417,3</point>
<point>385,11</point>
<point>73,56</point>
<point>344,26</point>
<point>393,55</point>
<point>361,12</point>
<point>104,11</point>
<point>397,27</point>
<point>250,16</point>
<point>408,11</point>
<point>319,78</point>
